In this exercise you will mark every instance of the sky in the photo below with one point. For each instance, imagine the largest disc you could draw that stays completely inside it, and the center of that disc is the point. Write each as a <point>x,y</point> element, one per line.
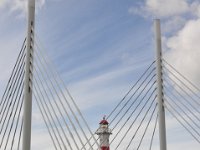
<point>100,48</point>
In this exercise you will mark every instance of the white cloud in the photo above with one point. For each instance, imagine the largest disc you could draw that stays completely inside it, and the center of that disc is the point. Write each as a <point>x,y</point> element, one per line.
<point>162,8</point>
<point>166,9</point>
<point>184,50</point>
<point>2,3</point>
<point>20,6</point>
<point>173,24</point>
<point>180,18</point>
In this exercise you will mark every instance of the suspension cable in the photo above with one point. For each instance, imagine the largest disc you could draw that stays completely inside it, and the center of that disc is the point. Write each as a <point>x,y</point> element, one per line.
<point>141,124</point>
<point>182,75</point>
<point>18,118</point>
<point>53,112</point>
<point>13,71</point>
<point>122,126</point>
<point>182,118</point>
<point>48,128</point>
<point>151,79</point>
<point>133,112</point>
<point>134,92</point>
<point>184,112</point>
<point>185,99</point>
<point>182,88</point>
<point>151,94</point>
<point>182,124</point>
<point>154,130</point>
<point>15,112</point>
<point>12,89</point>
<point>63,108</point>
<point>145,131</point>
<point>12,100</point>
<point>20,133</point>
<point>134,122</point>
<point>180,102</point>
<point>49,112</point>
<point>74,115</point>
<point>56,105</point>
<point>48,119</point>
<point>12,110</point>
<point>55,73</point>
<point>131,89</point>
<point>75,105</point>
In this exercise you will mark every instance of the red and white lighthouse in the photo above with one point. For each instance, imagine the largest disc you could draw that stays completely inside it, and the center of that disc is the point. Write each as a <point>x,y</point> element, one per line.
<point>104,133</point>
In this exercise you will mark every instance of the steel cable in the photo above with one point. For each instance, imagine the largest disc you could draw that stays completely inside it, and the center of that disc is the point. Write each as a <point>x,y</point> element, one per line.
<point>11,99</point>
<point>146,128</point>
<point>131,89</point>
<point>56,105</point>
<point>184,112</point>
<point>183,97</point>
<point>194,86</point>
<point>135,107</point>
<point>183,118</point>
<point>48,128</point>
<point>180,102</point>
<point>72,99</point>
<point>183,89</point>
<point>18,118</point>
<point>182,76</point>
<point>182,124</point>
<point>135,93</point>
<point>49,112</point>
<point>13,71</point>
<point>12,88</point>
<point>133,112</point>
<point>141,124</point>
<point>12,110</point>
<point>63,95</point>
<point>20,133</point>
<point>152,137</point>
<point>52,108</point>
<point>15,112</point>
<point>143,89</point>
<point>145,72</point>
<point>134,122</point>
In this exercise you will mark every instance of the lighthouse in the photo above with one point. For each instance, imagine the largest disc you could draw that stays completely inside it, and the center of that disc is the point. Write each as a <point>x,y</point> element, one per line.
<point>104,133</point>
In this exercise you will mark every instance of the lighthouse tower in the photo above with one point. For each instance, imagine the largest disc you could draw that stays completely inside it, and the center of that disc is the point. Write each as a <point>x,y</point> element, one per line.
<point>104,132</point>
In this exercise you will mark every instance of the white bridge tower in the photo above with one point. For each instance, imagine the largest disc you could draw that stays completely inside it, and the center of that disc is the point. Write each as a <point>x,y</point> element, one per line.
<point>26,143</point>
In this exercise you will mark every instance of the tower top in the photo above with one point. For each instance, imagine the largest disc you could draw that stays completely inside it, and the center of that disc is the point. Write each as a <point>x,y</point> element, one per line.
<point>104,133</point>
<point>104,121</point>
<point>31,3</point>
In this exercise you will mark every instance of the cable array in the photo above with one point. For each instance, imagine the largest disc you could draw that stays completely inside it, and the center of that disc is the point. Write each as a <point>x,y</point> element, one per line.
<point>64,120</point>
<point>62,117</point>
<point>132,119</point>
<point>129,111</point>
<point>11,105</point>
<point>182,99</point>
<point>153,134</point>
<point>145,84</point>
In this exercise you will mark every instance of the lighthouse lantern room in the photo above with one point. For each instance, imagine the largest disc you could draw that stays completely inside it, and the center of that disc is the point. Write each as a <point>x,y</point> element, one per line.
<point>104,133</point>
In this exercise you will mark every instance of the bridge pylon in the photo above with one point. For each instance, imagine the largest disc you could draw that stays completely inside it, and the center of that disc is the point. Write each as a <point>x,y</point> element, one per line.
<point>27,116</point>
<point>161,109</point>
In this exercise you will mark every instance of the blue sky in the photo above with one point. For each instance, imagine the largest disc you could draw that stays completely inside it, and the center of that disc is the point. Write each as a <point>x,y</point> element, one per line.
<point>101,47</point>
